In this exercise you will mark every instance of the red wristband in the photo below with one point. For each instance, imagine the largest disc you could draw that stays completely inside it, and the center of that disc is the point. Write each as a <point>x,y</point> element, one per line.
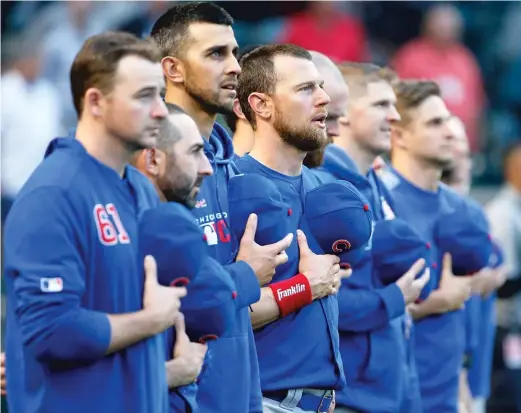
<point>292,294</point>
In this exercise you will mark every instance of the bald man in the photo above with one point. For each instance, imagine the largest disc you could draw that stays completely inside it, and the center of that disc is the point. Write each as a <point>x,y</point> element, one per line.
<point>338,91</point>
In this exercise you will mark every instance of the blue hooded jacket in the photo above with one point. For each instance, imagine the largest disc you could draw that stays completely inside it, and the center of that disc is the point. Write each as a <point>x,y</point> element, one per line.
<point>233,368</point>
<point>371,322</point>
<point>71,259</point>
<point>439,339</point>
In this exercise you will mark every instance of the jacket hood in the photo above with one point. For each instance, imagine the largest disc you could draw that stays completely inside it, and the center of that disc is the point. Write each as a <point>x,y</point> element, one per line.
<point>219,148</point>
<point>338,163</point>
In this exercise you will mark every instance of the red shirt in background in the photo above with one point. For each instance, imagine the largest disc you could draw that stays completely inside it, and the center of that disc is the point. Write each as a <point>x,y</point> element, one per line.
<point>457,73</point>
<point>343,39</point>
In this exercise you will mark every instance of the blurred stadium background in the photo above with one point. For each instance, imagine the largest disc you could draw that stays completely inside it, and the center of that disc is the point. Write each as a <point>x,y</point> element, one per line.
<point>479,62</point>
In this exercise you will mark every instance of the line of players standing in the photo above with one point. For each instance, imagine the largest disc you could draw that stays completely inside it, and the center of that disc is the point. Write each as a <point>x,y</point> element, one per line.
<point>336,288</point>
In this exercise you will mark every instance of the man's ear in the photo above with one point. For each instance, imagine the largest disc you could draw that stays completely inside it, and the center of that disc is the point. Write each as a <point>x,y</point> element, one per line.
<point>398,136</point>
<point>238,110</point>
<point>93,102</point>
<point>261,104</point>
<point>173,69</point>
<point>152,161</point>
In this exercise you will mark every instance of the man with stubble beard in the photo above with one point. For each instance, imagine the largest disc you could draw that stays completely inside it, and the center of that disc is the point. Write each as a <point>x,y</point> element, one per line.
<point>280,93</point>
<point>201,70</point>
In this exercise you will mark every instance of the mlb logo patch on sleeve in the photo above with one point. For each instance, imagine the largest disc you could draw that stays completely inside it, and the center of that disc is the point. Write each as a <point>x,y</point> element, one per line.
<point>51,285</point>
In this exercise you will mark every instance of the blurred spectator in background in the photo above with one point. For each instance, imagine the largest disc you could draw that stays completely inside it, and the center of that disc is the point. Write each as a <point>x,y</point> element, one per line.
<point>61,44</point>
<point>261,22</point>
<point>504,213</point>
<point>325,28</point>
<point>511,88</point>
<point>438,54</point>
<point>30,116</point>
<point>509,54</point>
<point>141,24</point>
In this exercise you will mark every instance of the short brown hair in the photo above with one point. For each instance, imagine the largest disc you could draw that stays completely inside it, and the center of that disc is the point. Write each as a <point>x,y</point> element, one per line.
<point>170,31</point>
<point>96,63</point>
<point>258,73</point>
<point>359,75</point>
<point>412,93</point>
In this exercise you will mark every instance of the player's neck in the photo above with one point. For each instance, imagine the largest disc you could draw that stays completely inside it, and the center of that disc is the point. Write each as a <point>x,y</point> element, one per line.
<point>153,180</point>
<point>202,119</point>
<point>242,141</point>
<point>160,194</point>
<point>271,151</point>
<point>421,174</point>
<point>362,159</point>
<point>107,149</point>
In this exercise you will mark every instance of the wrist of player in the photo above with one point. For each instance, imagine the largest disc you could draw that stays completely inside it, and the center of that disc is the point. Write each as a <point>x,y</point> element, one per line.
<point>441,301</point>
<point>321,288</point>
<point>446,305</point>
<point>292,294</point>
<point>408,298</point>
<point>191,371</point>
<point>156,320</point>
<point>455,303</point>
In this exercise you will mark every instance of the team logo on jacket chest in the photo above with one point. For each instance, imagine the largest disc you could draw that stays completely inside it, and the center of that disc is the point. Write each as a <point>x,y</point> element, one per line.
<point>215,228</point>
<point>108,223</point>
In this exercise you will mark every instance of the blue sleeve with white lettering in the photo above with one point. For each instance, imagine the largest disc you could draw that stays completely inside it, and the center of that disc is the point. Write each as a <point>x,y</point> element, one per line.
<point>45,275</point>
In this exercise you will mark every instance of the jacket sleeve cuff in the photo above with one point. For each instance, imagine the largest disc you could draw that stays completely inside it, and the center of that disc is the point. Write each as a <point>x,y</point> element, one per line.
<point>246,282</point>
<point>82,337</point>
<point>393,301</point>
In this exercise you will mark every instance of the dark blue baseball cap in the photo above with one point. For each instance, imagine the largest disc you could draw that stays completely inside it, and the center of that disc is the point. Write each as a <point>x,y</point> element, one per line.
<point>464,233</point>
<point>209,307</point>
<point>396,247</point>
<point>255,193</point>
<point>339,217</point>
<point>171,235</point>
